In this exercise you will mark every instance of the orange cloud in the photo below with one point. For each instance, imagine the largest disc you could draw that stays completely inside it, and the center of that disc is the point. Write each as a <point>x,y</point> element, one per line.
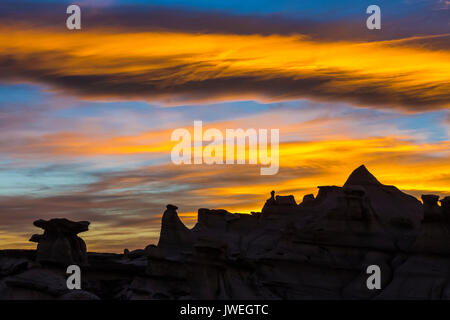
<point>125,207</point>
<point>174,68</point>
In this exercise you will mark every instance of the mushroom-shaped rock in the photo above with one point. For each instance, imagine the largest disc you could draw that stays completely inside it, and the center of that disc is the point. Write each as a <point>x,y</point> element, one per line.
<point>269,202</point>
<point>174,234</point>
<point>60,244</point>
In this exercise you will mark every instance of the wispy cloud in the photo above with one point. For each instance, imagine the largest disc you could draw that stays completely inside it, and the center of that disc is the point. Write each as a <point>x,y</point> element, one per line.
<point>180,68</point>
<point>134,199</point>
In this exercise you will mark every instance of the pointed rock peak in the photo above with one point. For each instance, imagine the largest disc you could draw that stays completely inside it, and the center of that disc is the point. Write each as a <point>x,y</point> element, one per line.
<point>361,176</point>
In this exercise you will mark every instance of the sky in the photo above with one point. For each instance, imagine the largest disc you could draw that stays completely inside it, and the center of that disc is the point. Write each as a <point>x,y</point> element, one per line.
<point>86,116</point>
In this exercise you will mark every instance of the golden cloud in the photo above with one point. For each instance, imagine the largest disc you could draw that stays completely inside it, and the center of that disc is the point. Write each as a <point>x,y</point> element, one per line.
<point>179,68</point>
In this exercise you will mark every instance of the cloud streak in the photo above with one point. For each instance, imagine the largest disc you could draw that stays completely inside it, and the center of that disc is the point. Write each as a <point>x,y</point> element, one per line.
<point>132,201</point>
<point>180,68</point>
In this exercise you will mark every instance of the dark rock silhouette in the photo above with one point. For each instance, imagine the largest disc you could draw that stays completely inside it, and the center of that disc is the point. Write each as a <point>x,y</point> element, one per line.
<point>361,177</point>
<point>308,198</point>
<point>60,244</point>
<point>431,210</point>
<point>174,235</point>
<point>279,204</point>
<point>445,204</point>
<point>318,249</point>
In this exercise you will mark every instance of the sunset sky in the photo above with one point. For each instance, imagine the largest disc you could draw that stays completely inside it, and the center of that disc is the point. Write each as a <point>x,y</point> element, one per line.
<point>86,116</point>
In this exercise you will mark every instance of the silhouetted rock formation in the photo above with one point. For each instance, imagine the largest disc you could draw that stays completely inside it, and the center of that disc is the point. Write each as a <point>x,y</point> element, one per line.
<point>174,234</point>
<point>279,204</point>
<point>60,244</point>
<point>388,203</point>
<point>445,204</point>
<point>431,210</point>
<point>307,199</point>
<point>361,177</point>
<point>318,249</point>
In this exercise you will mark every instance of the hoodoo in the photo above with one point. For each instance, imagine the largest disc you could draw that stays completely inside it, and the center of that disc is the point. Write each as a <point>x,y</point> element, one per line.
<point>60,244</point>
